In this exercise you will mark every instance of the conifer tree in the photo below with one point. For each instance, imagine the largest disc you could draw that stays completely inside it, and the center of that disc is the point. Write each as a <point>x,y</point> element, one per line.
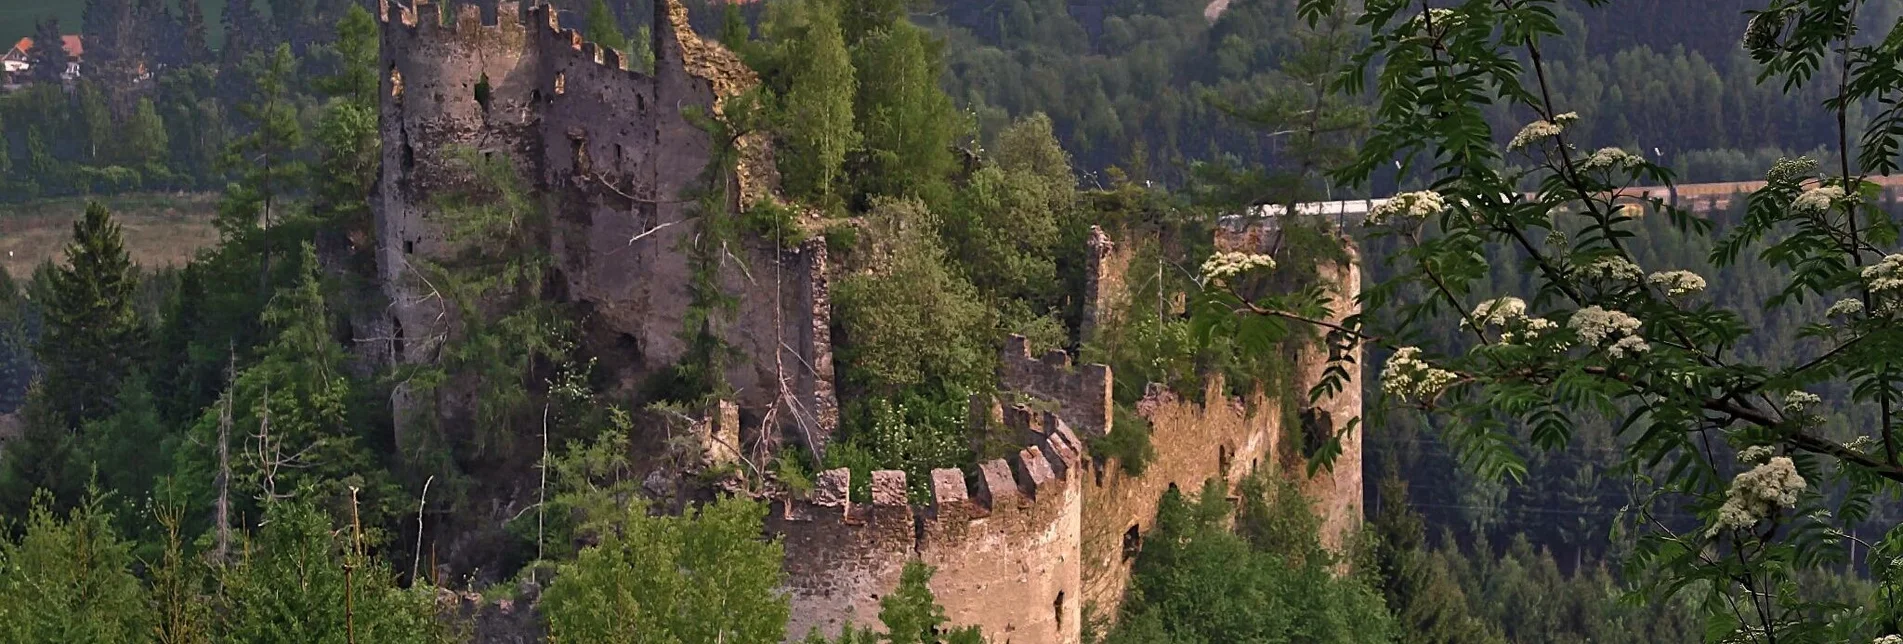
<point>907,120</point>
<point>69,579</point>
<point>817,109</point>
<point>197,43</point>
<point>48,57</point>
<point>305,581</point>
<point>93,334</point>
<point>602,28</point>
<point>346,135</point>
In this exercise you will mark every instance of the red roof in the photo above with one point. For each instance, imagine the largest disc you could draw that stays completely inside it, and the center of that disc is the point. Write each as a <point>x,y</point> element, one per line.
<point>74,46</point>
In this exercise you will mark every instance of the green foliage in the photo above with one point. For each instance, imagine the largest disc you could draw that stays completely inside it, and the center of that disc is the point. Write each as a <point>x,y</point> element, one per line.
<point>908,123</point>
<point>1427,601</point>
<point>1128,442</point>
<point>913,434</point>
<point>911,323</point>
<point>267,158</point>
<point>300,581</point>
<point>1196,580</point>
<point>93,335</point>
<point>704,577</point>
<point>1003,226</point>
<point>817,109</point>
<point>601,27</point>
<point>69,579</point>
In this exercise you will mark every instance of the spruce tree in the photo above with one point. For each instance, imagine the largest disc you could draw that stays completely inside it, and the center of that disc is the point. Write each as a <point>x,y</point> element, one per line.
<point>69,579</point>
<point>602,29</point>
<point>48,57</point>
<point>817,111</point>
<point>93,334</point>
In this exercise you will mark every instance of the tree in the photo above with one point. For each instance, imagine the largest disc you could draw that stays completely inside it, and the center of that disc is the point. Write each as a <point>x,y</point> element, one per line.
<point>145,141</point>
<point>346,137</point>
<point>1197,581</point>
<point>912,323</point>
<point>816,113</point>
<point>911,615</point>
<point>703,577</point>
<point>1003,227</point>
<point>48,57</point>
<point>197,45</point>
<point>1744,436</point>
<point>69,579</point>
<point>304,581</point>
<point>1428,603</point>
<point>908,122</point>
<point>93,334</point>
<point>602,28</point>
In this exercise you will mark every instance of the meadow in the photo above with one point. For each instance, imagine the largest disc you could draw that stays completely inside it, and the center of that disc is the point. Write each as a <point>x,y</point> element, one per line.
<point>160,229</point>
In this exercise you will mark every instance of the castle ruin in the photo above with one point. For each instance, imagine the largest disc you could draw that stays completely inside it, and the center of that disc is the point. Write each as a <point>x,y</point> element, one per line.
<point>1021,546</point>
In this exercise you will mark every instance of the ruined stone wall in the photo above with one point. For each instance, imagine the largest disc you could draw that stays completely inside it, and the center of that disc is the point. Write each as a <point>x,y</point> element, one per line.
<point>1082,392</point>
<point>1004,547</point>
<point>617,156</point>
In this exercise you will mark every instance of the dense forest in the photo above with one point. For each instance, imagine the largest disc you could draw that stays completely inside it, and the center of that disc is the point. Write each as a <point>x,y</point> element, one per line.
<point>195,454</point>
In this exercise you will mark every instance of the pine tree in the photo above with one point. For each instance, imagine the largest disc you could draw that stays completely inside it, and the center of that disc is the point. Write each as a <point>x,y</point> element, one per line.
<point>1428,604</point>
<point>93,334</point>
<point>346,135</point>
<point>245,31</point>
<point>817,109</point>
<point>305,581</point>
<point>602,29</point>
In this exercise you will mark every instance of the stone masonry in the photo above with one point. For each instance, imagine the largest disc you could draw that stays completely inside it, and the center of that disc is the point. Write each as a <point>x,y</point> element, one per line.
<point>616,155</point>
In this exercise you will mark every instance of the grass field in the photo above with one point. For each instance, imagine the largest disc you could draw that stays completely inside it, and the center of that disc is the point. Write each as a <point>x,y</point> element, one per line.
<point>17,17</point>
<point>160,230</point>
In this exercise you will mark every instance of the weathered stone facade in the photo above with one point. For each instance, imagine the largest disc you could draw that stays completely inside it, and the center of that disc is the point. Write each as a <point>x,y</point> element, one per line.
<point>617,156</point>
<point>1004,547</point>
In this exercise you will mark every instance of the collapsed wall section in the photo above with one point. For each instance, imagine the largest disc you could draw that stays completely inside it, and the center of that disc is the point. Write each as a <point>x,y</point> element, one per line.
<point>1004,546</point>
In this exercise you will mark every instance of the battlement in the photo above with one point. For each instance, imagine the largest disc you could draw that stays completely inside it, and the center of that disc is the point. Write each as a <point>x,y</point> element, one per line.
<point>1081,392</point>
<point>1015,518</point>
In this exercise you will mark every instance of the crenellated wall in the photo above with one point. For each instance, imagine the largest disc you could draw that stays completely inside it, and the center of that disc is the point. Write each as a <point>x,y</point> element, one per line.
<point>1004,545</point>
<point>618,157</point>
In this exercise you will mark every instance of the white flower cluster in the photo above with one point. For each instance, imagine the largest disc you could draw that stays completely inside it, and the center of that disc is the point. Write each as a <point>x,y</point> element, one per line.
<point>1860,444</point>
<point>1888,639</point>
<point>1413,206</point>
<point>1596,325</point>
<point>1611,158</point>
<point>1816,201</point>
<point>1758,493</point>
<point>1756,454</point>
<point>1615,268</point>
<point>1844,308</point>
<point>1676,283</point>
<point>1222,266</point>
<point>1886,275</point>
<point>1789,170</point>
<point>1509,313</point>
<point>1498,311</point>
<point>1408,376</point>
<point>1534,133</point>
<point>1798,401</point>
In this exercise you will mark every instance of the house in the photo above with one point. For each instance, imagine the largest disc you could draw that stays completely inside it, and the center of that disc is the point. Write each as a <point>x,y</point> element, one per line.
<point>18,61</point>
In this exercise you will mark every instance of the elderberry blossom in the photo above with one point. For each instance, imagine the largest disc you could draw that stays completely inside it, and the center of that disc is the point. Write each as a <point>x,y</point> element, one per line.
<point>1758,493</point>
<point>1886,275</point>
<point>1790,170</point>
<point>1596,325</point>
<point>1844,308</point>
<point>1888,639</point>
<point>1439,17</point>
<point>1798,401</point>
<point>1615,268</point>
<point>1408,376</point>
<point>1611,158</point>
<point>1816,201</point>
<point>1222,266</point>
<point>1412,206</point>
